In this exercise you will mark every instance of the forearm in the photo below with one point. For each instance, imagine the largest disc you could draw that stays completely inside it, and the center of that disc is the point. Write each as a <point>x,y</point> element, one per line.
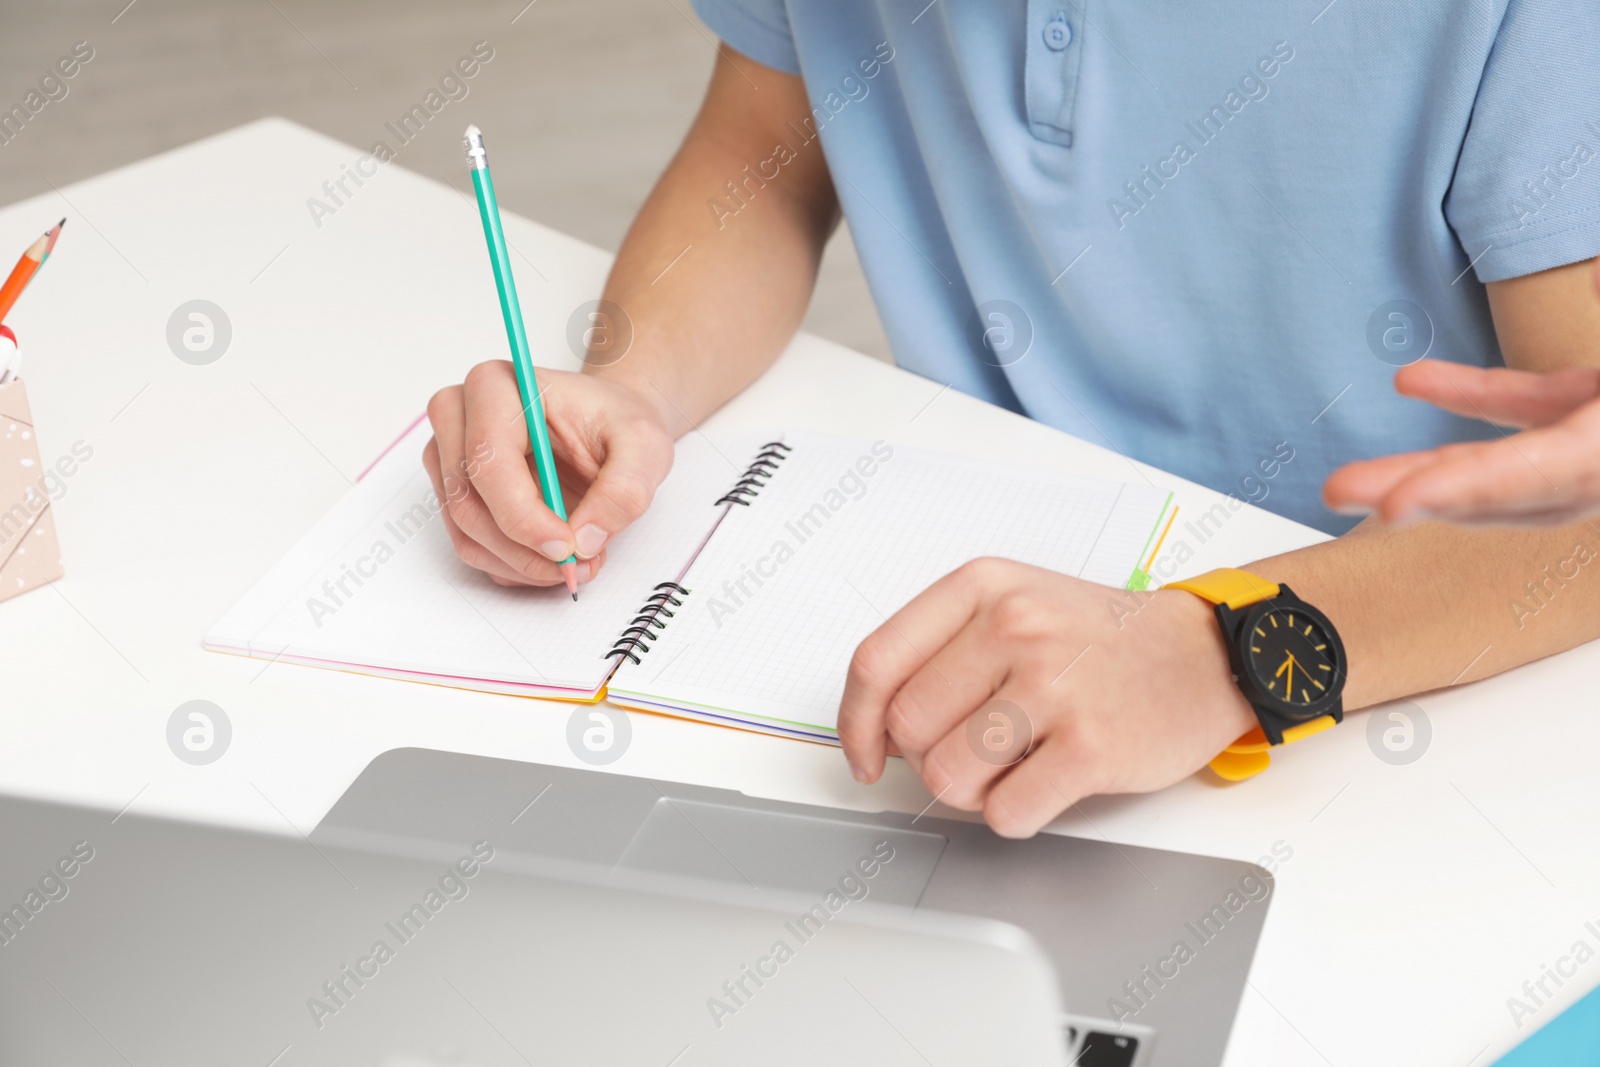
<point>1429,606</point>
<point>713,294</point>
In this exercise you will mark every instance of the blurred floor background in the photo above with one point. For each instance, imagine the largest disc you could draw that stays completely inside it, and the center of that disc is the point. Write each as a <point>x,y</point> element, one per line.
<point>586,99</point>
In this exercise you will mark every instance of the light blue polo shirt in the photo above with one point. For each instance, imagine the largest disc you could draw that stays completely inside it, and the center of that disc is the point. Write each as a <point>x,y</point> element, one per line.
<point>1189,231</point>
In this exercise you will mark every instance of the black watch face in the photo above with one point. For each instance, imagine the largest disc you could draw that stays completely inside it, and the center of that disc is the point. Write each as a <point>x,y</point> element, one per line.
<point>1294,658</point>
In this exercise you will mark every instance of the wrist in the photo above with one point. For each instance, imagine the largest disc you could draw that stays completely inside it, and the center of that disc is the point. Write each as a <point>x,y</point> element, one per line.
<point>1193,622</point>
<point>649,399</point>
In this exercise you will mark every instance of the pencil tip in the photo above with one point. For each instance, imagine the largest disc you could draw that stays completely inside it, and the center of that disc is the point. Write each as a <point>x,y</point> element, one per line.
<point>574,598</point>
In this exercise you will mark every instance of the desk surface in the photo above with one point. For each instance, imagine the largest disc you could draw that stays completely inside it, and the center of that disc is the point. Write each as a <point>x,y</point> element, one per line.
<point>1417,899</point>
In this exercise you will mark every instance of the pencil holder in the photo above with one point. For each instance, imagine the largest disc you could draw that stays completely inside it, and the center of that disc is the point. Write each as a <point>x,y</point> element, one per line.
<point>29,553</point>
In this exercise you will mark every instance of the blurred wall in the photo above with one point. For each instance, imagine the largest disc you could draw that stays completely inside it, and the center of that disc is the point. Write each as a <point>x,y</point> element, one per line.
<point>586,99</point>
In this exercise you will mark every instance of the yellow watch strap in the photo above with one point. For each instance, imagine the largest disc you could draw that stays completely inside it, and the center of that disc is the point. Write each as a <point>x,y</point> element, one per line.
<point>1248,756</point>
<point>1227,585</point>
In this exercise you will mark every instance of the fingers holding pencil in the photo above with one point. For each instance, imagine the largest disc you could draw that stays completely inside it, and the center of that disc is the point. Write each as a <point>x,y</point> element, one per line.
<point>477,461</point>
<point>612,453</point>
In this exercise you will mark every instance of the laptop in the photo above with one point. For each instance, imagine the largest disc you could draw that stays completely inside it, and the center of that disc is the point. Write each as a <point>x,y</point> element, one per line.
<point>133,941</point>
<point>1149,949</point>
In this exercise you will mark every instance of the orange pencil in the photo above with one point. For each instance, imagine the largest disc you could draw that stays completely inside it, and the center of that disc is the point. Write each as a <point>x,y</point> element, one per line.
<point>27,267</point>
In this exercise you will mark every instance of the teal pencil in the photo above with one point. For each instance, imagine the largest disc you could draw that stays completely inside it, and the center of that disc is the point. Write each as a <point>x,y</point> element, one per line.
<point>544,458</point>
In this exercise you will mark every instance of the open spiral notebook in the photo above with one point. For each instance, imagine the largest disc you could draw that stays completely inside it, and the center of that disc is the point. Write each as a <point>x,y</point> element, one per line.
<point>737,599</point>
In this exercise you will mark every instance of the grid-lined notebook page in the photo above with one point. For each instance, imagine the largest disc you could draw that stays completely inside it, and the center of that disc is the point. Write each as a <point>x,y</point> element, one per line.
<point>844,534</point>
<point>376,586</point>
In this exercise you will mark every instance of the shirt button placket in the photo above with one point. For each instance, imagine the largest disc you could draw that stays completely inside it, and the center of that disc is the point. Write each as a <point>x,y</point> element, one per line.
<point>1051,74</point>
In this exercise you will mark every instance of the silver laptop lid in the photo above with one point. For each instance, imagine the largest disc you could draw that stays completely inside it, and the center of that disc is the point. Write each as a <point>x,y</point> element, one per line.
<point>141,941</point>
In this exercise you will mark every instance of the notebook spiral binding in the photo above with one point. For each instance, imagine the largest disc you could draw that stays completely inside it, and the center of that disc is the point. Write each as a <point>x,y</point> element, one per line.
<point>756,475</point>
<point>645,627</point>
<point>637,637</point>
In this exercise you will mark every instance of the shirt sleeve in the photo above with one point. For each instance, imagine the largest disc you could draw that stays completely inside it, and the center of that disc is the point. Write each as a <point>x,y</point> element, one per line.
<point>758,28</point>
<point>1526,192</point>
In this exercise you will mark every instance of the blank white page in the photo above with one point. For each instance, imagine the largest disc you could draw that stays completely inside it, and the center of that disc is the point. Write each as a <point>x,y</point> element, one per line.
<point>418,612</point>
<point>827,552</point>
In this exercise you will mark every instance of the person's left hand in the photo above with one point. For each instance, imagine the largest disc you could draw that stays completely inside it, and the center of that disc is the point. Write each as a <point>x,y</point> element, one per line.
<point>1547,475</point>
<point>1075,689</point>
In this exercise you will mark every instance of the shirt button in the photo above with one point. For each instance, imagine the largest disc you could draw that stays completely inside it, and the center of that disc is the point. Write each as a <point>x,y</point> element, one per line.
<point>1057,33</point>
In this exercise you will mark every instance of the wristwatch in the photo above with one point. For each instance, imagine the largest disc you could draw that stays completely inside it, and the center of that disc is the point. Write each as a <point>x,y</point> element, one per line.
<point>1287,660</point>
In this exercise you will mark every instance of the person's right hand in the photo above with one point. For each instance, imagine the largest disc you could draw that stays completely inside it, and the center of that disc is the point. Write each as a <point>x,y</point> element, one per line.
<point>612,451</point>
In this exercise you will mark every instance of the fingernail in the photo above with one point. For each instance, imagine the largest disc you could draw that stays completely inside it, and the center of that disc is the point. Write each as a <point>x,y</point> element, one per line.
<point>584,570</point>
<point>555,550</point>
<point>858,773</point>
<point>591,539</point>
<point>1352,509</point>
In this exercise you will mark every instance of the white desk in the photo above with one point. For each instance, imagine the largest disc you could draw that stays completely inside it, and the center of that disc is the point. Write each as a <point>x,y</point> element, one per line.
<point>1418,897</point>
